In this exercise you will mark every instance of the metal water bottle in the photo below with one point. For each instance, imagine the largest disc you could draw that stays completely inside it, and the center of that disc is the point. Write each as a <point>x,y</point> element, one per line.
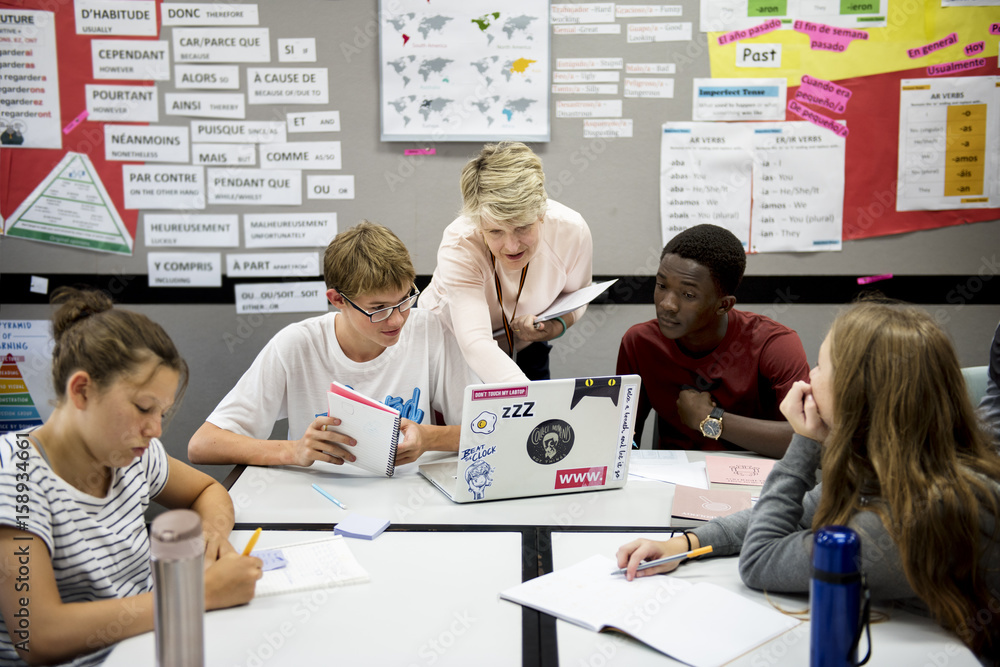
<point>835,598</point>
<point>178,556</point>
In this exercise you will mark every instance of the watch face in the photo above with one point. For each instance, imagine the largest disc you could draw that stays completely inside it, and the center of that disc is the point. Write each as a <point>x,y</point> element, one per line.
<point>711,428</point>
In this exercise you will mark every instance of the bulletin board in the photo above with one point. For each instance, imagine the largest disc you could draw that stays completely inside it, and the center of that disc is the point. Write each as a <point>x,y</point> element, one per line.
<point>412,186</point>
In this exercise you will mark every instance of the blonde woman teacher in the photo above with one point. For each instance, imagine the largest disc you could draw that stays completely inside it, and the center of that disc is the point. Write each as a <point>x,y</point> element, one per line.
<point>504,261</point>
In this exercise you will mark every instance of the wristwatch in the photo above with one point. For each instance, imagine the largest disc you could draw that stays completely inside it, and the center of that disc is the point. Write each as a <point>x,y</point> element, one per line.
<point>711,426</point>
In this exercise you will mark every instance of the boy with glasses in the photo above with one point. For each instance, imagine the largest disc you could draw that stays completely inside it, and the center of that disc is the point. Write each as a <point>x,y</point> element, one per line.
<point>377,344</point>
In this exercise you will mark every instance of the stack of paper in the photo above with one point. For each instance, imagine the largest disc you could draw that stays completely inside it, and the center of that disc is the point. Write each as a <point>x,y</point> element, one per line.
<point>361,526</point>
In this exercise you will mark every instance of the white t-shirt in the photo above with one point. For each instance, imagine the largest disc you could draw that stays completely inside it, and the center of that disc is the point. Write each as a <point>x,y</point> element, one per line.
<point>292,374</point>
<point>99,547</point>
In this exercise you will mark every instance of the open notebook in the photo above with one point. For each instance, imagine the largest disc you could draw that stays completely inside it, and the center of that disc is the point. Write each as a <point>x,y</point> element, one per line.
<point>374,425</point>
<point>309,565</point>
<point>700,624</point>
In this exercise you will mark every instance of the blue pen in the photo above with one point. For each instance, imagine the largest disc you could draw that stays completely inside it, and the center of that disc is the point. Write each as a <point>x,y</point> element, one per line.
<point>330,498</point>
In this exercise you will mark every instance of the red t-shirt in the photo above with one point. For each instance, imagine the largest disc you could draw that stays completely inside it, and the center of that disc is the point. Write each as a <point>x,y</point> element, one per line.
<point>748,374</point>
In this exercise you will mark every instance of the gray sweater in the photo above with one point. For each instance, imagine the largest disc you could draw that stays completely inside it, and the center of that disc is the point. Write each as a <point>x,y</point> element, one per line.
<point>774,539</point>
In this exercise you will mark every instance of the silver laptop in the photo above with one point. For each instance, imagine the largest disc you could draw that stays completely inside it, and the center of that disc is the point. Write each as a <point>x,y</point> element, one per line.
<point>539,438</point>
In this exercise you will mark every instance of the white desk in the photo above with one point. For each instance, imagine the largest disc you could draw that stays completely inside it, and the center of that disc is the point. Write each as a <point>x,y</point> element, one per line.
<point>904,640</point>
<point>432,599</point>
<point>284,495</point>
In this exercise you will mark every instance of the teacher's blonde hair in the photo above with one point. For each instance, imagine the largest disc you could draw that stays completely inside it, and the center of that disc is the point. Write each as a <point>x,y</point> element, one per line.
<point>505,183</point>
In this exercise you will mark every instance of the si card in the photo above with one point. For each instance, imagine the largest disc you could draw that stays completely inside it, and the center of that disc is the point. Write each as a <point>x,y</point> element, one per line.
<point>708,504</point>
<point>738,470</point>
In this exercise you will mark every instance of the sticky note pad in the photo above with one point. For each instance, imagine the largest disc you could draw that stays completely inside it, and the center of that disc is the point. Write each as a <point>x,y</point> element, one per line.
<point>273,559</point>
<point>361,526</point>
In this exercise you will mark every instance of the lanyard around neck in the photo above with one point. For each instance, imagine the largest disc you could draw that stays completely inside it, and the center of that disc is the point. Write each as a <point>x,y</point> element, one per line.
<point>506,323</point>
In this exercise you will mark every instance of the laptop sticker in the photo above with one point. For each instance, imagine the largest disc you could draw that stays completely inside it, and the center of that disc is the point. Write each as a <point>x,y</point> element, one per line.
<point>478,476</point>
<point>485,423</point>
<point>573,478</point>
<point>606,386</point>
<point>550,441</point>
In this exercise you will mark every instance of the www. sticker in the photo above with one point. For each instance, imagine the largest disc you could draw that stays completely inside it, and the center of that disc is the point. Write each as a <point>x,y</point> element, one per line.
<point>576,477</point>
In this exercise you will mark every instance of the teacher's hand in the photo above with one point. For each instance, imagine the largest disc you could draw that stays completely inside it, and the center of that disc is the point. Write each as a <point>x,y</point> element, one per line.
<point>526,329</point>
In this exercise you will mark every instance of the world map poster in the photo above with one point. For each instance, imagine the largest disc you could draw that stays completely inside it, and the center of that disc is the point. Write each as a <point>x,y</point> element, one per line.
<point>464,71</point>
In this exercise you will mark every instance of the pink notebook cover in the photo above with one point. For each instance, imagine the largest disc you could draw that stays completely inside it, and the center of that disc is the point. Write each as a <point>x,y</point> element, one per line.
<point>707,504</point>
<point>733,470</point>
<point>347,392</point>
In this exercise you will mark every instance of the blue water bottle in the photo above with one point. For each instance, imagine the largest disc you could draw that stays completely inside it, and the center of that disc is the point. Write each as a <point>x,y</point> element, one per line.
<point>835,599</point>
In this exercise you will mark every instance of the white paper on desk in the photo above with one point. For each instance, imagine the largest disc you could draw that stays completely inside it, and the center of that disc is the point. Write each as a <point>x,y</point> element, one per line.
<point>685,616</point>
<point>659,456</point>
<point>686,474</point>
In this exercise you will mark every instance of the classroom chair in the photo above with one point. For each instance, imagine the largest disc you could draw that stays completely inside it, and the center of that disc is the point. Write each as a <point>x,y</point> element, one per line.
<point>975,382</point>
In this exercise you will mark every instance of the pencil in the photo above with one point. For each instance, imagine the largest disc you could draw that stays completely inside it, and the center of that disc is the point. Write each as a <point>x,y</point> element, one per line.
<point>669,559</point>
<point>252,542</point>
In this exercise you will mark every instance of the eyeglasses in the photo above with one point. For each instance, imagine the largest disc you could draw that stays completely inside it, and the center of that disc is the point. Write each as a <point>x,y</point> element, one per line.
<point>382,314</point>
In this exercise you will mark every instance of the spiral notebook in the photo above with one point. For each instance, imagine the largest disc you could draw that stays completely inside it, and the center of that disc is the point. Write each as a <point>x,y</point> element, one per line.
<point>374,425</point>
<point>310,565</point>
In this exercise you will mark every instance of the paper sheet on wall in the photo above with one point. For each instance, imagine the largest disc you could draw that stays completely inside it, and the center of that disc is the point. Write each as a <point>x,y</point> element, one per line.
<point>711,172</point>
<point>948,143</point>
<point>726,15</point>
<point>464,71</point>
<point>30,94</point>
<point>705,173</point>
<point>797,207</point>
<point>71,207</point>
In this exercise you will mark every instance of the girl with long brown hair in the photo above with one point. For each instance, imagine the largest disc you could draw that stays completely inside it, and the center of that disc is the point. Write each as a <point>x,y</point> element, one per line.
<point>905,463</point>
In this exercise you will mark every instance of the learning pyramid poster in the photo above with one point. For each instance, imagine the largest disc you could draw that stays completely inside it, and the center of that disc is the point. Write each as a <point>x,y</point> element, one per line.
<point>26,396</point>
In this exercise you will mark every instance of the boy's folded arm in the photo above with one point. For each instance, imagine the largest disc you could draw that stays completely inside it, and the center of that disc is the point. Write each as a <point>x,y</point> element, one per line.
<point>213,444</point>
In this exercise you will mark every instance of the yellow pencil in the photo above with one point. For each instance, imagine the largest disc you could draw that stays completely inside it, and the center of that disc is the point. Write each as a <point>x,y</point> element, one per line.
<point>252,542</point>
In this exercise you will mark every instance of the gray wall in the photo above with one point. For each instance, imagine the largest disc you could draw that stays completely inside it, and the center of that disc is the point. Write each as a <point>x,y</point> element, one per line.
<point>614,183</point>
